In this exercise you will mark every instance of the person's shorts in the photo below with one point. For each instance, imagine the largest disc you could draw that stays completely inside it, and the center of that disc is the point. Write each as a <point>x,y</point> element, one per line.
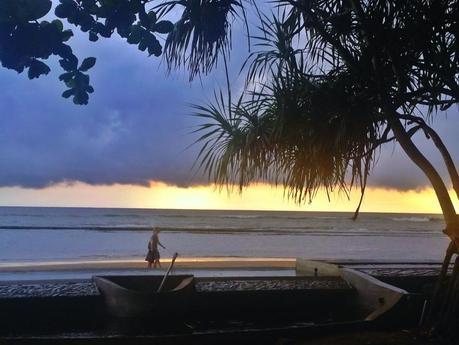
<point>152,255</point>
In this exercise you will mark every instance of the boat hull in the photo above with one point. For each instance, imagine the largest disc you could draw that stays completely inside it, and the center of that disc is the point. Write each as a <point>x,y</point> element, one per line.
<point>137,296</point>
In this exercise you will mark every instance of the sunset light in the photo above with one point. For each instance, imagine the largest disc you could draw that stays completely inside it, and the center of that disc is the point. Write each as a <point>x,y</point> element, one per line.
<point>256,197</point>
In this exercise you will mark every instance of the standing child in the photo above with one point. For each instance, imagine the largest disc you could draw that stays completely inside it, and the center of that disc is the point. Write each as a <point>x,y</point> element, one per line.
<point>153,252</point>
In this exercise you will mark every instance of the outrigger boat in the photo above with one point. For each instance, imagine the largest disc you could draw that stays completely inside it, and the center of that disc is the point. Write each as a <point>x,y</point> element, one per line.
<point>320,293</point>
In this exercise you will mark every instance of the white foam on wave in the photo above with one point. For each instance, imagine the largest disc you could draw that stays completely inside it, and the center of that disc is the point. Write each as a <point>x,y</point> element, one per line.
<point>411,219</point>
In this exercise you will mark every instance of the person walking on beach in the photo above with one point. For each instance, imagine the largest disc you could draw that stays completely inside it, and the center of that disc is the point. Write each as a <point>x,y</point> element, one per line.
<point>153,252</point>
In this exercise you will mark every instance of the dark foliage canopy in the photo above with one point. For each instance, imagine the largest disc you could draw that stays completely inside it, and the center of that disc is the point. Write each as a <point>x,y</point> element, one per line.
<point>27,40</point>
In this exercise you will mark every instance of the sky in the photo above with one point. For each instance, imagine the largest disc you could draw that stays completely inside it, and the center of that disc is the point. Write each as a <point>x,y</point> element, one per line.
<point>130,146</point>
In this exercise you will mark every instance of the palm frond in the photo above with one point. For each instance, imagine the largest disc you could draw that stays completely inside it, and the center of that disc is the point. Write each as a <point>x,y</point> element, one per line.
<point>274,41</point>
<point>201,35</point>
<point>304,133</point>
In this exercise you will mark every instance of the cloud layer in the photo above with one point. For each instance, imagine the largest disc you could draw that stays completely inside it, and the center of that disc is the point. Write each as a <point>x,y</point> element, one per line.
<point>136,128</point>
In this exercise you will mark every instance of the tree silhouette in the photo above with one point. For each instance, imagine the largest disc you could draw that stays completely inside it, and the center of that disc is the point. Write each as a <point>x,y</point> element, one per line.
<point>332,82</point>
<point>329,83</point>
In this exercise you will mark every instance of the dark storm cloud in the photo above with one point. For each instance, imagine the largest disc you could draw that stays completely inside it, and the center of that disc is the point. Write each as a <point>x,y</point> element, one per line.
<point>134,130</point>
<point>136,127</point>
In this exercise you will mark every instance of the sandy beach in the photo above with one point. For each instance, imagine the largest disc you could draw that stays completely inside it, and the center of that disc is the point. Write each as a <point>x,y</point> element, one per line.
<point>186,262</point>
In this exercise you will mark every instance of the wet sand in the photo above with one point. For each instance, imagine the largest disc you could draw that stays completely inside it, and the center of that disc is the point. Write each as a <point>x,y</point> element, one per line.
<point>181,262</point>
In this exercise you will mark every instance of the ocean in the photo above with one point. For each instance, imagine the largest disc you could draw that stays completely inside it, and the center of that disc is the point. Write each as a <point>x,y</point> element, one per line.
<point>50,234</point>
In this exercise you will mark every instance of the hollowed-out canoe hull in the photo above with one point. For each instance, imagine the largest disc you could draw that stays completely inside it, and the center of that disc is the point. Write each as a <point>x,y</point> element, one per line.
<point>136,296</point>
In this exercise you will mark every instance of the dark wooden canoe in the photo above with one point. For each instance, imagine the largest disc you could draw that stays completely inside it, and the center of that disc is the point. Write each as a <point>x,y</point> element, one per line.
<point>136,296</point>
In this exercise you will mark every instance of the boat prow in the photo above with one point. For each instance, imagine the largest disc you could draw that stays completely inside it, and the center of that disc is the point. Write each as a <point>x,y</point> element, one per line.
<point>377,300</point>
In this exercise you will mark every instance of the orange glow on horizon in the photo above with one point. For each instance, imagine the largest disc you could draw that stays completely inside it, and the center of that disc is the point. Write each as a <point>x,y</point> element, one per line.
<point>255,197</point>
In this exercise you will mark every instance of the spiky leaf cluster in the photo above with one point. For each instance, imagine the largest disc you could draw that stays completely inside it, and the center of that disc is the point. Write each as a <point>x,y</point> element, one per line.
<point>201,35</point>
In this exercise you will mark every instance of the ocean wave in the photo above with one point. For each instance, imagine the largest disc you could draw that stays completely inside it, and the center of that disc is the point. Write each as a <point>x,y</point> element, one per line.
<point>277,217</point>
<point>24,215</point>
<point>412,219</point>
<point>328,217</point>
<point>325,231</point>
<point>126,215</point>
<point>78,227</point>
<point>200,228</point>
<point>240,216</point>
<point>436,219</point>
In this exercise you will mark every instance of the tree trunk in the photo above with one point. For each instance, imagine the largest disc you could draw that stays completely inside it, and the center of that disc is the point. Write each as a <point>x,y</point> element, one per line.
<point>442,312</point>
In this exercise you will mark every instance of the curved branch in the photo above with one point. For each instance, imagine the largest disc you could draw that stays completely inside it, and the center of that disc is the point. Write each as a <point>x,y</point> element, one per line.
<point>446,157</point>
<point>448,160</point>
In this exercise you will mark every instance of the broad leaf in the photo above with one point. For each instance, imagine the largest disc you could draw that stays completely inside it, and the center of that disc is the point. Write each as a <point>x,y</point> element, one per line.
<point>87,64</point>
<point>23,10</point>
<point>163,27</point>
<point>37,68</point>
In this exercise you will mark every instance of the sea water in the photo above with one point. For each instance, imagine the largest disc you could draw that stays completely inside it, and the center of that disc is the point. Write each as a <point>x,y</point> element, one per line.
<point>50,234</point>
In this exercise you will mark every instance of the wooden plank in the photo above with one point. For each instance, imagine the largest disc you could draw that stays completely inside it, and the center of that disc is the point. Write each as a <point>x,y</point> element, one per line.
<point>310,268</point>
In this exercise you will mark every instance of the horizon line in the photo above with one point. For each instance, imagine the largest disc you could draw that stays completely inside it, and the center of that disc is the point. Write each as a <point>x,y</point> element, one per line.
<point>216,210</point>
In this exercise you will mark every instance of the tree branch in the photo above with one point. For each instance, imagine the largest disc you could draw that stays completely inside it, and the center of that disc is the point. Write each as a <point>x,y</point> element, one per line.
<point>432,134</point>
